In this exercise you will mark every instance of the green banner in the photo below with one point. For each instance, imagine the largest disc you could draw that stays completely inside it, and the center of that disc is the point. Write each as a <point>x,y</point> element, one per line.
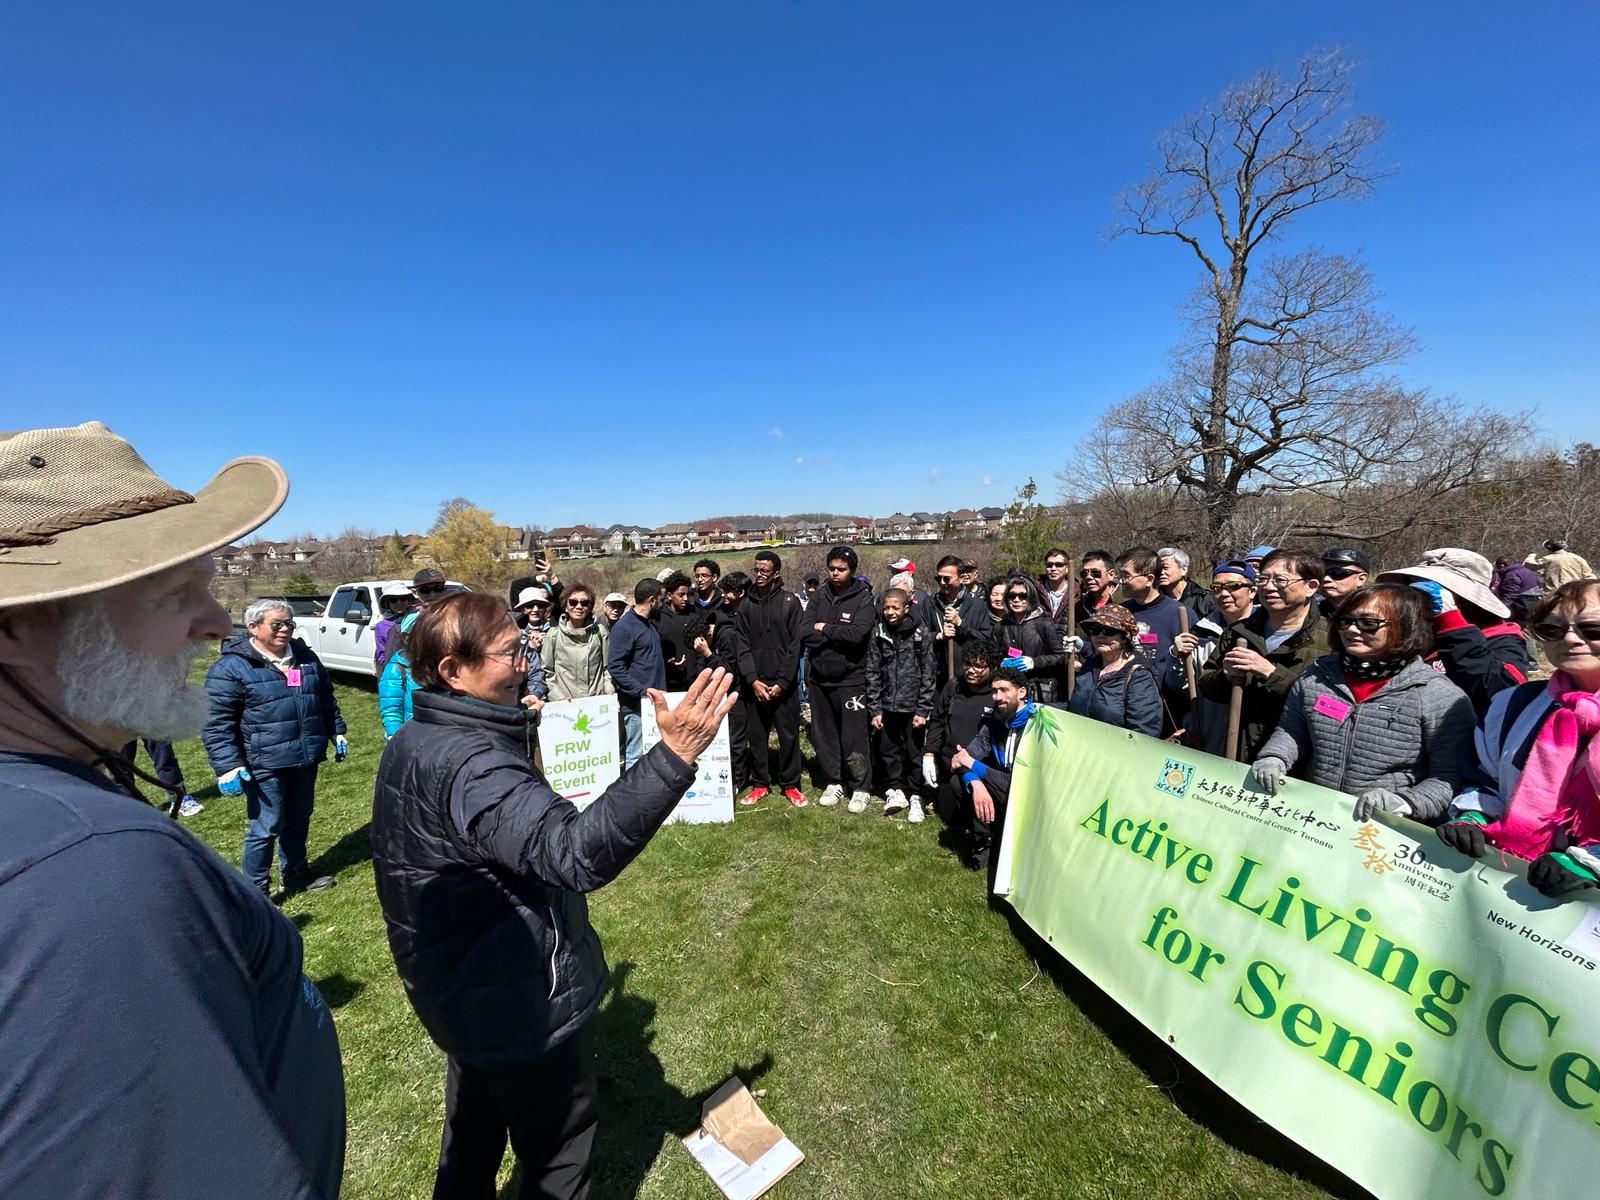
<point>1426,1023</point>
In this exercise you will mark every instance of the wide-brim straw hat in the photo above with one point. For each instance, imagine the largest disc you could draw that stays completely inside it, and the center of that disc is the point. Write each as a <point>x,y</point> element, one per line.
<point>81,512</point>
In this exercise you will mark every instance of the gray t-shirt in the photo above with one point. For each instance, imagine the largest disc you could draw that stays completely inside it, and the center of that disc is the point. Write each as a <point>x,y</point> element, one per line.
<point>157,1034</point>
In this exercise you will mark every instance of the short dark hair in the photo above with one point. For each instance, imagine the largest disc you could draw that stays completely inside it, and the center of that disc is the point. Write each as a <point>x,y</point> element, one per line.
<point>905,596</point>
<point>646,589</point>
<point>462,627</point>
<point>1400,603</point>
<point>978,652</point>
<point>1057,550</point>
<point>949,560</point>
<point>710,564</point>
<point>734,581</point>
<point>675,581</point>
<point>1570,598</point>
<point>771,557</point>
<point>845,555</point>
<point>1302,562</point>
<point>1141,560</point>
<point>1104,556</point>
<point>694,626</point>
<point>1012,675</point>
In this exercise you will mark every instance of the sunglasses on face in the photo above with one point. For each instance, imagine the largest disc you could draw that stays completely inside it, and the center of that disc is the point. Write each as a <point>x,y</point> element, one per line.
<point>1056,566</point>
<point>431,589</point>
<point>1555,631</point>
<point>1090,573</point>
<point>1368,625</point>
<point>275,626</point>
<point>1226,589</point>
<point>1340,572</point>
<point>580,603</point>
<point>1017,596</point>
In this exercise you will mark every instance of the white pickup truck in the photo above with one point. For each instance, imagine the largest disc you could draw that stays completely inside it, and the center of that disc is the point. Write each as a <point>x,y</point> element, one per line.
<point>342,635</point>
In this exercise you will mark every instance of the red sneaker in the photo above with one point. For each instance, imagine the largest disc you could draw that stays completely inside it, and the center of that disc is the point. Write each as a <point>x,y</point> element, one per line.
<point>795,797</point>
<point>755,795</point>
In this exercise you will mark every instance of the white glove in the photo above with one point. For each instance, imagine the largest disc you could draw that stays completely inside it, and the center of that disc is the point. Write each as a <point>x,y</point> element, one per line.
<point>340,747</point>
<point>232,784</point>
<point>930,771</point>
<point>1027,662</point>
<point>1072,644</point>
<point>1269,774</point>
<point>1381,800</point>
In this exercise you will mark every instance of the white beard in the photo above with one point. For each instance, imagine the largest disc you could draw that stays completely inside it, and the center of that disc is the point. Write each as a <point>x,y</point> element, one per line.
<point>105,686</point>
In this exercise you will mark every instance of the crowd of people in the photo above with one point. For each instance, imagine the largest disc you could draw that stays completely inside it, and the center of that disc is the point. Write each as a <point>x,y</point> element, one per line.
<point>1410,689</point>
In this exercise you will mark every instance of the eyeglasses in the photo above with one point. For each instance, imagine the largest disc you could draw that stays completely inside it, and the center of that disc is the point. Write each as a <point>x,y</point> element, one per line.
<point>1088,573</point>
<point>1368,625</point>
<point>517,653</point>
<point>1222,589</point>
<point>275,626</point>
<point>1056,566</point>
<point>430,589</point>
<point>1555,631</point>
<point>947,579</point>
<point>1340,572</point>
<point>1280,581</point>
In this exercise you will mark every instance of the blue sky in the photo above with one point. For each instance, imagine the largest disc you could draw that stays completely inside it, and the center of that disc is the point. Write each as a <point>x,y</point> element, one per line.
<point>654,261</point>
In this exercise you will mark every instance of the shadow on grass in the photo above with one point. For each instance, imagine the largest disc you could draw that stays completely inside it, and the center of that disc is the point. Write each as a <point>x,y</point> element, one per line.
<point>338,989</point>
<point>1202,1101</point>
<point>639,1107</point>
<point>354,847</point>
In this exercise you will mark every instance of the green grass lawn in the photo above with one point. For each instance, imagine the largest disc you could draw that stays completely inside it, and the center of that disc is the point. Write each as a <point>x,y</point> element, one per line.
<point>912,1039</point>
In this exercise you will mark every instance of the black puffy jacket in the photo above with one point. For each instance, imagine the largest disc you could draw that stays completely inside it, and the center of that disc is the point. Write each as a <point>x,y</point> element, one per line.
<point>1037,637</point>
<point>257,720</point>
<point>481,868</point>
<point>900,673</point>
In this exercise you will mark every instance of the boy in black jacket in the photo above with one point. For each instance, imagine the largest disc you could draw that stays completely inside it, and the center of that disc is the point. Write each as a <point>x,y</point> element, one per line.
<point>838,625</point>
<point>958,710</point>
<point>768,626</point>
<point>900,698</point>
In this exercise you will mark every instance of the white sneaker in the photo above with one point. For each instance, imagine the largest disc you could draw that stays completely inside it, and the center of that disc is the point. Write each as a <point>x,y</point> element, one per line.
<point>915,815</point>
<point>831,795</point>
<point>894,800</point>
<point>190,807</point>
<point>858,802</point>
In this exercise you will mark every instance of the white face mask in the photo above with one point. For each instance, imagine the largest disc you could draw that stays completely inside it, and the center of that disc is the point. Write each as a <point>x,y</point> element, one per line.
<point>107,686</point>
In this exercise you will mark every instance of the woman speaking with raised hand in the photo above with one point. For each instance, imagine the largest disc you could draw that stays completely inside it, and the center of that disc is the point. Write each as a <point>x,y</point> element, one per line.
<point>481,872</point>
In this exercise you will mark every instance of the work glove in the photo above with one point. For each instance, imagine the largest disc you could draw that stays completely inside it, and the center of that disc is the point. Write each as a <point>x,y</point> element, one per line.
<point>1438,596</point>
<point>930,771</point>
<point>1381,800</point>
<point>1557,875</point>
<point>1269,774</point>
<point>340,748</point>
<point>1021,662</point>
<point>232,784</point>
<point>1072,644</point>
<point>1465,833</point>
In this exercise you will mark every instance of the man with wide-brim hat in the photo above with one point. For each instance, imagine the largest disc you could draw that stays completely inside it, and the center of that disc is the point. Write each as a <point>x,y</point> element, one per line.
<point>1479,646</point>
<point>158,1034</point>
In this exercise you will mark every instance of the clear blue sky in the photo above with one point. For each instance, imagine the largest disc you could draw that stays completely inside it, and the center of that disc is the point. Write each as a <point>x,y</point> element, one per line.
<point>653,261</point>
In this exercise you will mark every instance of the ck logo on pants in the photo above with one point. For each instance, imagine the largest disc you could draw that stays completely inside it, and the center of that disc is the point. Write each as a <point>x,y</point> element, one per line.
<point>855,704</point>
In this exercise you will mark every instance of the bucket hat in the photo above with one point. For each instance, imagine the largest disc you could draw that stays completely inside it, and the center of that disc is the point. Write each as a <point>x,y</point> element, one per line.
<point>1461,571</point>
<point>1115,617</point>
<point>80,512</point>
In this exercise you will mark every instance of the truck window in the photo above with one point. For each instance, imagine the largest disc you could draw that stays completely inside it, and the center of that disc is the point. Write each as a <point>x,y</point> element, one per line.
<point>341,602</point>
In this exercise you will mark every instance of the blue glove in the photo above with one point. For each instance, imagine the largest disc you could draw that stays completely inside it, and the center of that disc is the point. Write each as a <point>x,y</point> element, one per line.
<point>1442,600</point>
<point>340,748</point>
<point>232,784</point>
<point>1017,661</point>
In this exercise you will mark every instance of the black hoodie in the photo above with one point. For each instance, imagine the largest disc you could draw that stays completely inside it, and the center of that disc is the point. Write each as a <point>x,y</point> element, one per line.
<point>839,648</point>
<point>768,625</point>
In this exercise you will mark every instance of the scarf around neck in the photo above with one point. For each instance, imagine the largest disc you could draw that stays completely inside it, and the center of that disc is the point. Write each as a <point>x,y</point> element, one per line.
<point>1559,789</point>
<point>1382,668</point>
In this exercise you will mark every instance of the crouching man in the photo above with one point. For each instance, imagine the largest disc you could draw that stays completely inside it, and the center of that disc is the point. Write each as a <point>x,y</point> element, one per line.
<point>975,795</point>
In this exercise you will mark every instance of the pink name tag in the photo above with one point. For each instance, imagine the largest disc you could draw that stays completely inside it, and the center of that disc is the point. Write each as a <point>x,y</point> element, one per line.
<point>1332,706</point>
<point>1148,639</point>
<point>292,676</point>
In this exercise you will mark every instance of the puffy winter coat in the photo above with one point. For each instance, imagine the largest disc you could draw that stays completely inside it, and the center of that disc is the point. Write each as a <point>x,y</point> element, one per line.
<point>838,651</point>
<point>900,674</point>
<point>1482,661</point>
<point>1207,722</point>
<point>575,661</point>
<point>1412,737</point>
<point>1127,698</point>
<point>1263,698</point>
<point>1038,638</point>
<point>260,722</point>
<point>481,868</point>
<point>396,683</point>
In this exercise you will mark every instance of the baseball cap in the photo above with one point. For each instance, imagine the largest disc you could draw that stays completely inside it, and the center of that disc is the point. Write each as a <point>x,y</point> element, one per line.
<point>1348,556</point>
<point>902,564</point>
<point>614,598</point>
<point>426,577</point>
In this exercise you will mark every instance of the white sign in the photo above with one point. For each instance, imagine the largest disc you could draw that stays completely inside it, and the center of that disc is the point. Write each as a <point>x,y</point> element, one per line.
<point>578,742</point>
<point>710,796</point>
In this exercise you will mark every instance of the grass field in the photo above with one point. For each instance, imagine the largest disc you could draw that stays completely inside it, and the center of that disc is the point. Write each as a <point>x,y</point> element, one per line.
<point>912,1039</point>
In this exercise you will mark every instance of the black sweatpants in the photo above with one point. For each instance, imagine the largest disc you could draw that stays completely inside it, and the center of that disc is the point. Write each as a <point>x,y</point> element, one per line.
<point>162,759</point>
<point>898,754</point>
<point>764,716</point>
<point>549,1106</point>
<point>840,732</point>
